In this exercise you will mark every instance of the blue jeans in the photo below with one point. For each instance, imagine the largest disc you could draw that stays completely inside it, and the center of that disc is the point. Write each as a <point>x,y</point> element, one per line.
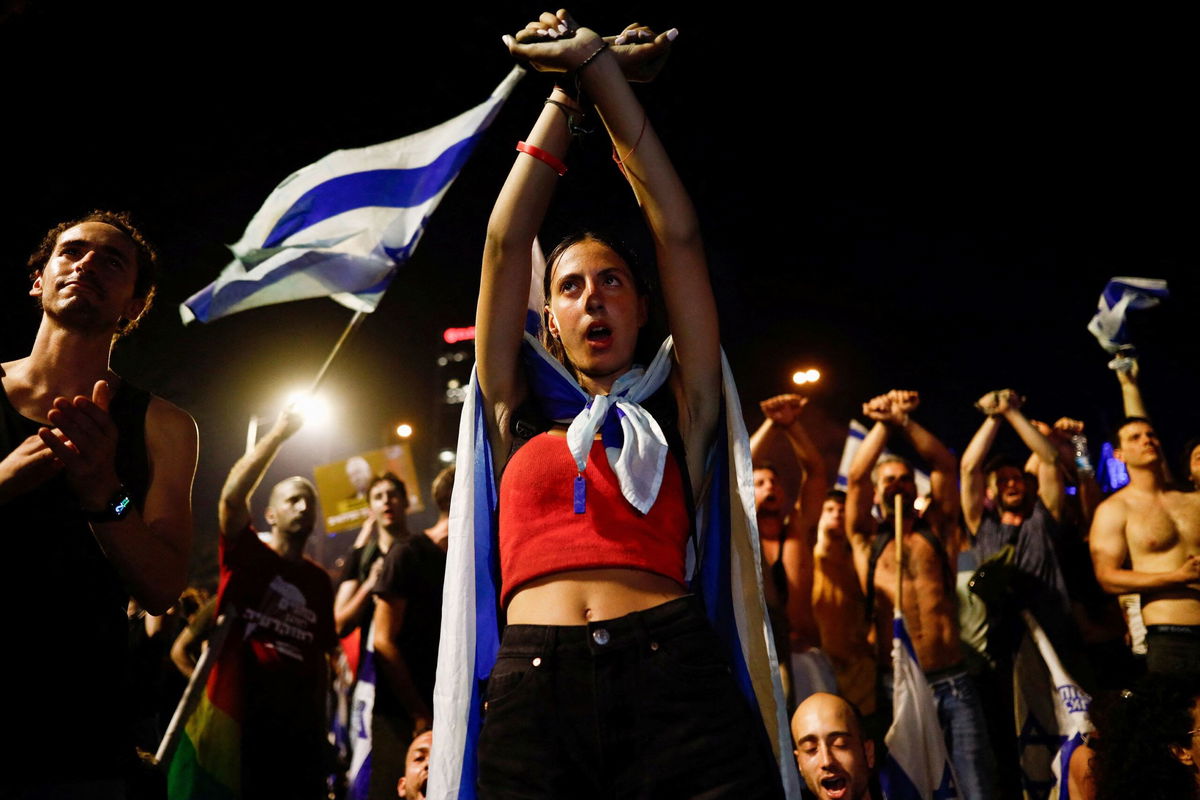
<point>960,713</point>
<point>642,707</point>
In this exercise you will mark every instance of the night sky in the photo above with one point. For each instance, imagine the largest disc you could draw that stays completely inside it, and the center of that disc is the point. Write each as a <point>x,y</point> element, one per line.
<point>931,202</point>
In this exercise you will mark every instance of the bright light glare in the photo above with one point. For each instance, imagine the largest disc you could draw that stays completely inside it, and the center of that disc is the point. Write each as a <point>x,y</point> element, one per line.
<point>446,456</point>
<point>315,409</point>
<point>804,376</point>
<point>404,430</point>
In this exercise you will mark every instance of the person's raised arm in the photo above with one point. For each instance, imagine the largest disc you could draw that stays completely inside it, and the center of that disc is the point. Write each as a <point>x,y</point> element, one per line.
<point>860,494</point>
<point>148,548</point>
<point>679,250</point>
<point>233,511</point>
<point>816,481</point>
<point>1051,487</point>
<point>1110,552</point>
<point>784,413</point>
<point>508,250</point>
<point>943,466</point>
<point>972,480</point>
<point>1089,493</point>
<point>682,268</point>
<point>1127,370</point>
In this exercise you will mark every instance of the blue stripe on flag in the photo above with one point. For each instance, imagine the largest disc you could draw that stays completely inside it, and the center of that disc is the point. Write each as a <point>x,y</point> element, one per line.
<point>392,188</point>
<point>899,631</point>
<point>715,573</point>
<point>487,578</point>
<point>337,272</point>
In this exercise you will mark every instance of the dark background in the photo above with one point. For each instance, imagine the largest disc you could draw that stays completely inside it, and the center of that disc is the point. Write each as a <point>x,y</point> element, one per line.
<point>923,200</point>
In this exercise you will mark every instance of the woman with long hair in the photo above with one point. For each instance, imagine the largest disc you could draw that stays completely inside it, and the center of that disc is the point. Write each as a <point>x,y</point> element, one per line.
<point>609,679</point>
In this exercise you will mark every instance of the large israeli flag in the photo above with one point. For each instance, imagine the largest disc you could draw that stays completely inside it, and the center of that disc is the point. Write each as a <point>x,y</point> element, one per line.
<point>1121,295</point>
<point>1052,715</point>
<point>338,228</point>
<point>917,766</point>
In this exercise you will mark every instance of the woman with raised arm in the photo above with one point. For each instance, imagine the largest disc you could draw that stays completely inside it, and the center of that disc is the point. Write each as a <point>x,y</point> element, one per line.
<point>609,680</point>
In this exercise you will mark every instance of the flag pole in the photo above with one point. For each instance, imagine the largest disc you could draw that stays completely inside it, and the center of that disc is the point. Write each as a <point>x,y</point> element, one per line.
<point>351,327</point>
<point>899,551</point>
<point>195,688</point>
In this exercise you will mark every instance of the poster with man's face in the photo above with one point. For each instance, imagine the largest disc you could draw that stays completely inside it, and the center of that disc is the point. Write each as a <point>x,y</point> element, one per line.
<point>342,486</point>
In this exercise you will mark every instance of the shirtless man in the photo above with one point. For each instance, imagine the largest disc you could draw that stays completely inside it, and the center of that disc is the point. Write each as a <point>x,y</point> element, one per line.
<point>929,600</point>
<point>1146,539</point>
<point>840,609</point>
<point>95,488</point>
<point>786,537</point>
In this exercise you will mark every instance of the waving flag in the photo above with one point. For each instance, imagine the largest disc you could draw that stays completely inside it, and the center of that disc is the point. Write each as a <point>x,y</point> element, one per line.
<point>1052,715</point>
<point>917,766</point>
<point>1119,296</point>
<point>340,227</point>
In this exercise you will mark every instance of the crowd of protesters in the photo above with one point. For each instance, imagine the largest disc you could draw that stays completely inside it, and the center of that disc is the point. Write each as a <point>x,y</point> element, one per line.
<point>976,553</point>
<point>994,539</point>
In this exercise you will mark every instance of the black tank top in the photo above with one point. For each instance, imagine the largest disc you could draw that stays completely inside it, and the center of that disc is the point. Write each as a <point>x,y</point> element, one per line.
<point>65,610</point>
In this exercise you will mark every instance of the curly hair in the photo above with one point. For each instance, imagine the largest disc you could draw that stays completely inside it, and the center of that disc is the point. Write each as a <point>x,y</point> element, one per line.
<point>147,257</point>
<point>1133,751</point>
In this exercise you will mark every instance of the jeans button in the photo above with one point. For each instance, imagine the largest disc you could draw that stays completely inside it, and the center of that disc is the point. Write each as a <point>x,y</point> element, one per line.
<point>600,636</point>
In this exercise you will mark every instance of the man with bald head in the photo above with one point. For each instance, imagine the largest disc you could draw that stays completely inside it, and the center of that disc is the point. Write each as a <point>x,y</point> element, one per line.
<point>283,607</point>
<point>834,757</point>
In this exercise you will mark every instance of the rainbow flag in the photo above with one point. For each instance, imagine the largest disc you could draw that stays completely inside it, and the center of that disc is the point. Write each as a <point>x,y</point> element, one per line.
<point>207,764</point>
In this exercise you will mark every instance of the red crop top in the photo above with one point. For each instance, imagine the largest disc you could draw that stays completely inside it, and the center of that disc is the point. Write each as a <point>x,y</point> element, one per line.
<point>540,533</point>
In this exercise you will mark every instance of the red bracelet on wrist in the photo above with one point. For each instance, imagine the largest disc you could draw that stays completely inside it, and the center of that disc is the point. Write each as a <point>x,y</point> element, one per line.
<point>549,159</point>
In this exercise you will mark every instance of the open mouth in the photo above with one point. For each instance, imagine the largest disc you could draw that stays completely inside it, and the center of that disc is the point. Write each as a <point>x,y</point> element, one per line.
<point>599,333</point>
<point>421,788</point>
<point>835,787</point>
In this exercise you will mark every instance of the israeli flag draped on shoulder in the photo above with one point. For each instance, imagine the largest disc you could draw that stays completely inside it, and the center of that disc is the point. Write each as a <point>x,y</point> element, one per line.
<point>725,572</point>
<point>1052,715</point>
<point>1119,296</point>
<point>917,766</point>
<point>338,228</point>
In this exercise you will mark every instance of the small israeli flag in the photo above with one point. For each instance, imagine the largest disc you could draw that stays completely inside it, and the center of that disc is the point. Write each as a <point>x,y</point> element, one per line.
<point>1119,296</point>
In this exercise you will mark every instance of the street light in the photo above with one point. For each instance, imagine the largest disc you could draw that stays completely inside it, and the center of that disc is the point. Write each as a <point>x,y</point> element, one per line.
<point>801,377</point>
<point>315,409</point>
<point>404,430</point>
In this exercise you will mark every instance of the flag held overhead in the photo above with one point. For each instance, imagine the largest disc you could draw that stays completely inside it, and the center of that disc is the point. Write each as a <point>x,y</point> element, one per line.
<point>1121,295</point>
<point>338,228</point>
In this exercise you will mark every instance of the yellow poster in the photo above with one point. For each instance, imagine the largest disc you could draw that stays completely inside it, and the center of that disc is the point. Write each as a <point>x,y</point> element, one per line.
<point>342,485</point>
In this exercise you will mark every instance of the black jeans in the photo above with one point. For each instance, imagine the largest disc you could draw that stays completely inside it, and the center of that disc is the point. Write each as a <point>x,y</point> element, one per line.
<point>643,706</point>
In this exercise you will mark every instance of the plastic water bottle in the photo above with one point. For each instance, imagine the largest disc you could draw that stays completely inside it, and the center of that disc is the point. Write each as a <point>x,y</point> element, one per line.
<point>1083,459</point>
